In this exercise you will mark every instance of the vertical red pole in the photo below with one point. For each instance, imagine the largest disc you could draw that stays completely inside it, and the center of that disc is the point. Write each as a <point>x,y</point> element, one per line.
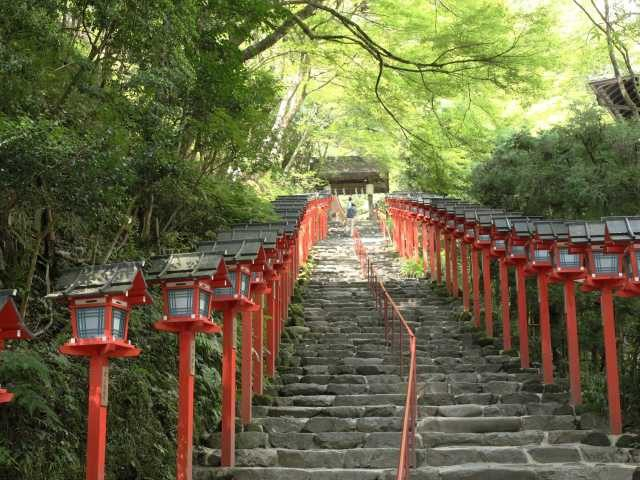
<point>228,453</point>
<point>97,421</point>
<point>416,239</point>
<point>438,256</point>
<point>487,292</point>
<point>523,324</point>
<point>246,375</point>
<point>464,251</point>
<point>573,347</point>
<point>475,268</point>
<point>184,469</point>
<point>432,252</point>
<point>403,240</point>
<point>611,360</point>
<point>504,303</point>
<point>454,266</point>
<point>272,311</point>
<point>447,262</point>
<point>258,344</point>
<point>425,248</point>
<point>545,329</point>
<point>409,230</point>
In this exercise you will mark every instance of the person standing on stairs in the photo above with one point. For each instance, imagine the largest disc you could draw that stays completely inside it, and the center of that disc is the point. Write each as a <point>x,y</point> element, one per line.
<point>351,217</point>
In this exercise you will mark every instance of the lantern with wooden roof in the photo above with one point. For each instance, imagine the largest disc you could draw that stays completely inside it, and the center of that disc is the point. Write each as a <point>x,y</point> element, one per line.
<point>242,257</point>
<point>260,278</point>
<point>522,230</point>
<point>11,328</point>
<point>500,229</point>
<point>483,225</point>
<point>568,264</point>
<point>187,281</point>
<point>604,261</point>
<point>100,299</point>
<point>624,232</point>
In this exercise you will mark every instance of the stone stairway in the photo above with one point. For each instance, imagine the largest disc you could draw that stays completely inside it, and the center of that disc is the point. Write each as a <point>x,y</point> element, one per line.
<point>335,411</point>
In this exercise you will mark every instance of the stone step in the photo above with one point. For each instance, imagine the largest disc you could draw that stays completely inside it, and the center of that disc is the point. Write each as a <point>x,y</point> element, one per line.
<point>260,473</point>
<point>496,424</point>
<point>349,412</point>
<point>483,471</point>
<point>343,399</point>
<point>353,458</point>
<point>314,441</point>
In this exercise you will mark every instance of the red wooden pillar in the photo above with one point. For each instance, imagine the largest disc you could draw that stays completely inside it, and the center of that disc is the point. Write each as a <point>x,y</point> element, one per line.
<point>396,230</point>
<point>454,266</point>
<point>186,368</point>
<point>545,328</point>
<point>504,303</point>
<point>432,252</point>
<point>611,360</point>
<point>425,248</point>
<point>438,254</point>
<point>246,374</point>
<point>447,262</point>
<point>272,311</point>
<point>416,239</point>
<point>400,235</point>
<point>258,344</point>
<point>404,241</point>
<point>523,324</point>
<point>97,421</point>
<point>228,389</point>
<point>475,270</point>
<point>464,251</point>
<point>487,291</point>
<point>573,347</point>
<point>409,237</point>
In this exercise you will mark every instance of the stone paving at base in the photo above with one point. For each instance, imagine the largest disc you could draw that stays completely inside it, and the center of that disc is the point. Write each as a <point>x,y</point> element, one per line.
<point>335,411</point>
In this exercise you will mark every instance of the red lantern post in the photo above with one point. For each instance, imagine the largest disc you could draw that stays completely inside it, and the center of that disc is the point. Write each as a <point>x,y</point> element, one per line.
<point>568,267</point>
<point>517,254</point>
<point>499,231</point>
<point>483,244</point>
<point>469,239</point>
<point>459,233</point>
<point>605,245</point>
<point>187,281</point>
<point>11,328</point>
<point>539,248</point>
<point>100,300</point>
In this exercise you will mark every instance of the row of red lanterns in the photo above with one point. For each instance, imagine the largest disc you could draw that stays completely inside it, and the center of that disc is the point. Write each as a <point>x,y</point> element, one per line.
<point>601,256</point>
<point>249,269</point>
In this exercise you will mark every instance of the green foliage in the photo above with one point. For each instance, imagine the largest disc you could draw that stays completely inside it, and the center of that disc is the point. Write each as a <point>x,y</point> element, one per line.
<point>583,169</point>
<point>412,268</point>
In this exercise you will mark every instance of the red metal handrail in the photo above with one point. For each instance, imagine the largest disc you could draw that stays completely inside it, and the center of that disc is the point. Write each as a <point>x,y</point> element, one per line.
<point>393,318</point>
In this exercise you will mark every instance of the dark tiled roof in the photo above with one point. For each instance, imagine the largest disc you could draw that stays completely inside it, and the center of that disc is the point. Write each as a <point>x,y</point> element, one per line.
<point>107,279</point>
<point>186,265</point>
